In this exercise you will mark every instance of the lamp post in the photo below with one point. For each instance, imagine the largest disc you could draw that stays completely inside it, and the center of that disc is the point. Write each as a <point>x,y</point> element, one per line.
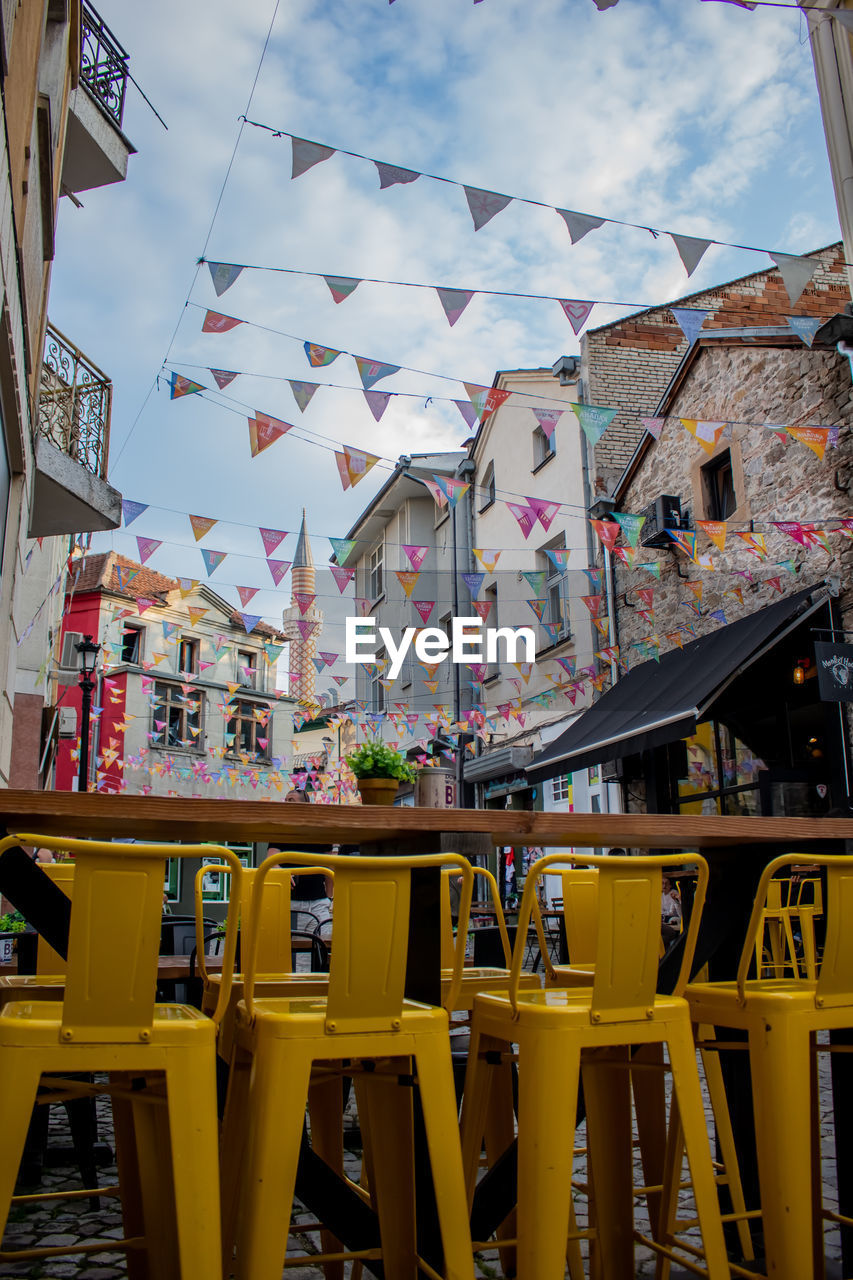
<point>87,657</point>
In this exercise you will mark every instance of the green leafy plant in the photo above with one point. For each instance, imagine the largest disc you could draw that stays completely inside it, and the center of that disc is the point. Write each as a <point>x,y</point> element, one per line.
<point>12,922</point>
<point>375,760</point>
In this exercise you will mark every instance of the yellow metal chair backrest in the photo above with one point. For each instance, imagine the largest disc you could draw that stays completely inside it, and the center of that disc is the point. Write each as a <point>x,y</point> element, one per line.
<point>628,930</point>
<point>580,914</point>
<point>834,985</point>
<point>114,937</point>
<point>448,944</point>
<point>49,961</point>
<point>370,936</point>
<point>274,949</point>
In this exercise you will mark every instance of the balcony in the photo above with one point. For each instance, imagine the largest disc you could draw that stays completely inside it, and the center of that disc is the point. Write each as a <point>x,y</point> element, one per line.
<point>96,150</point>
<point>72,438</point>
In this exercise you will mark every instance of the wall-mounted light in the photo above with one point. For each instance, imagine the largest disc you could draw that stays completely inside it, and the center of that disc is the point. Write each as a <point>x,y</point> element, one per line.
<point>800,670</point>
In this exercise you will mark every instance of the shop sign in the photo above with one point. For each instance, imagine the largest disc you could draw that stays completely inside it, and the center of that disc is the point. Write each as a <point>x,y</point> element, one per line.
<point>834,671</point>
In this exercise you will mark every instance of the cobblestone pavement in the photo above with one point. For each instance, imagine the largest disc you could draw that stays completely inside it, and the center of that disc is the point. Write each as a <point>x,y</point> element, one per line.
<point>77,1222</point>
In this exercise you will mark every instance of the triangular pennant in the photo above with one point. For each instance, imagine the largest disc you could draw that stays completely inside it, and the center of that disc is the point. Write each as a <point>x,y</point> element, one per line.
<point>212,559</point>
<point>214,322</point>
<point>686,541</point>
<point>187,586</point>
<point>473,581</point>
<point>485,399</point>
<point>223,275</point>
<point>690,250</point>
<point>147,547</point>
<point>544,511</point>
<point>651,566</point>
<point>271,538</point>
<point>775,583</point>
<point>143,603</point>
<point>452,488</point>
<point>125,576</point>
<point>302,392</point>
<point>319,357</point>
<point>372,371</point>
<point>180,386</point>
<point>690,321</point>
<point>390,174</point>
<point>264,431</point>
<point>525,516</point>
<point>607,532</point>
<point>594,420</point>
<point>306,629</point>
<point>715,530</point>
<point>304,600</point>
<point>794,530</point>
<point>246,594</point>
<point>249,621</point>
<point>805,327</point>
<point>341,287</point>
<point>548,419</point>
<point>342,576</point>
<point>469,413</point>
<point>577,312</point>
<point>536,581</point>
<point>654,426</point>
<point>377,402</point>
<point>415,555</point>
<point>593,603</point>
<point>454,302</point>
<point>538,607</point>
<point>306,154</point>
<point>488,557</point>
<point>795,272</point>
<point>353,465</point>
<point>755,544</point>
<point>131,510</point>
<point>342,548</point>
<point>625,554</point>
<point>484,205</point>
<point>705,433</point>
<point>407,579</point>
<point>579,224</point>
<point>424,608</point>
<point>630,525</point>
<point>223,377</point>
<point>196,614</point>
<point>278,568</point>
<point>559,557</point>
<point>814,438</point>
<point>201,525</point>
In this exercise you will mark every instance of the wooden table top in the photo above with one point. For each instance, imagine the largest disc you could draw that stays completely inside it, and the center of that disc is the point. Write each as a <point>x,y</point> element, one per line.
<point>173,818</point>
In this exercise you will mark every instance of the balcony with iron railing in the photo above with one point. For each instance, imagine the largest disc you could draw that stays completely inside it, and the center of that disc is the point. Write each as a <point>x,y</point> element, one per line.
<point>96,150</point>
<point>72,430</point>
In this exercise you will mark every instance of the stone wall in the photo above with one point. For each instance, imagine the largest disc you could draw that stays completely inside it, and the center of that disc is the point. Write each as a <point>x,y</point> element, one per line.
<point>630,363</point>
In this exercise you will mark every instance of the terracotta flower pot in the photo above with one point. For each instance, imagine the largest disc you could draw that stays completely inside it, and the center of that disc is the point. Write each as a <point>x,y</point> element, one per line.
<point>377,790</point>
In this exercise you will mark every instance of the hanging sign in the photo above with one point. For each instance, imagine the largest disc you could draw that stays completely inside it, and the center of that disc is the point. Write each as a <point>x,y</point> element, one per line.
<point>834,671</point>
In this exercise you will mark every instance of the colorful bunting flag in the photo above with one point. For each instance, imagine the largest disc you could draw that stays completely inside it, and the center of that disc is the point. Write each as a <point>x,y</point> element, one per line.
<point>755,544</point>
<point>467,410</point>
<point>377,402</point>
<point>341,287</point>
<point>488,557</point>
<point>536,581</point>
<point>271,539</point>
<point>216,323</point>
<point>147,547</point>
<point>264,431</point>
<point>548,419</point>
<point>196,614</point>
<point>484,205</point>
<point>302,392</point>
<point>130,511</point>
<point>594,420</point>
<point>815,438</point>
<point>424,608</point>
<point>249,621</point>
<point>654,426</point>
<point>607,532</point>
<point>690,320</point>
<point>544,511</point>
<point>223,275</point>
<point>796,272</point>
<point>686,541</point>
<point>212,559</point>
<point>485,400</point>
<point>180,386</point>
<point>705,433</point>
<point>372,371</point>
<point>805,327</point>
<point>452,488</point>
<point>454,302</point>
<point>390,174</point>
<point>306,154</point>
<point>319,357</point>
<point>715,530</point>
<point>525,516</point>
<point>343,577</point>
<point>690,250</point>
<point>473,581</point>
<point>407,579</point>
<point>223,377</point>
<point>125,576</point>
<point>304,600</point>
<point>579,224</point>
<point>482,608</point>
<point>246,594</point>
<point>201,525</point>
<point>415,555</point>
<point>631,526</point>
<point>559,557</point>
<point>577,312</point>
<point>353,465</point>
<point>342,548</point>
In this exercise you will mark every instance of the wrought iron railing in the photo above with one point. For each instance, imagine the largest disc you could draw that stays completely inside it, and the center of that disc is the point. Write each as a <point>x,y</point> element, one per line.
<point>103,65</point>
<point>75,402</point>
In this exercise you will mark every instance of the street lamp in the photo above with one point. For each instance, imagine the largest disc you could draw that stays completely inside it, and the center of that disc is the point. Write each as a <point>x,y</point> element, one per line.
<point>87,657</point>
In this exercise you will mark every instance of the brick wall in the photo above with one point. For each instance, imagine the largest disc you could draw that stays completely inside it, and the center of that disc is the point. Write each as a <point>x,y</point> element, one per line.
<point>629,363</point>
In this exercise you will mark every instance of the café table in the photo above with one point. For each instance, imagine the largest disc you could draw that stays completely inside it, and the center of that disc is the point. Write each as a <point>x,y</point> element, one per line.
<point>736,847</point>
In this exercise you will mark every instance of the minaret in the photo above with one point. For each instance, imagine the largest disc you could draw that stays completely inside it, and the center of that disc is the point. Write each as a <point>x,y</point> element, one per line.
<point>303,649</point>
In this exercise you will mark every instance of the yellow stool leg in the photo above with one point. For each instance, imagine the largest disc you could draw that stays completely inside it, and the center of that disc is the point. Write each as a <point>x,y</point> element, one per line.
<point>438,1099</point>
<point>685,1084</point>
<point>127,1163</point>
<point>152,1182</point>
<point>649,1090</point>
<point>278,1097</point>
<point>499,1134</point>
<point>607,1094</point>
<point>548,1072</point>
<point>232,1150</point>
<point>670,1181</point>
<point>779,1060</point>
<point>726,1139</point>
<point>16,1107</point>
<point>326,1113</point>
<point>386,1113</point>
<point>476,1103</point>
<point>193,1125</point>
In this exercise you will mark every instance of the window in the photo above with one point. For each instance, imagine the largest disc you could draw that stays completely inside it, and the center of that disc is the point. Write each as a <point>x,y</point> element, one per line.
<point>250,725</point>
<point>561,788</point>
<point>188,656</point>
<point>375,570</point>
<point>556,593</point>
<point>70,641</point>
<point>488,487</point>
<point>491,594</point>
<point>543,448</point>
<point>247,668</point>
<point>131,645</point>
<point>176,720</point>
<point>719,486</point>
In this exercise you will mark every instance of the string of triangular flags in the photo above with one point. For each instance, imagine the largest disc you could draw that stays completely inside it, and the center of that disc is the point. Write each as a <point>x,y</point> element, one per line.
<point>484,205</point>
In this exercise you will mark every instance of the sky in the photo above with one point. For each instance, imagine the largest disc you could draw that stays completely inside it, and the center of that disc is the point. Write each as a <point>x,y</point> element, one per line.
<point>698,117</point>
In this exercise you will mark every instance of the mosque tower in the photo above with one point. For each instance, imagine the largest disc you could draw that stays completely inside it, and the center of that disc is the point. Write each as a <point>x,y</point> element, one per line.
<point>302,625</point>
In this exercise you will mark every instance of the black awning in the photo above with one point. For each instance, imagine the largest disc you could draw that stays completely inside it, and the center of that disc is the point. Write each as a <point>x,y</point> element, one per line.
<point>660,702</point>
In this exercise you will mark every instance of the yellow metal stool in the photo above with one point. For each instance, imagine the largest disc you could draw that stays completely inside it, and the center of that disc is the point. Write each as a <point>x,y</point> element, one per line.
<point>475,978</point>
<point>166,1130</point>
<point>280,1042</point>
<point>601,1021</point>
<point>781,1016</point>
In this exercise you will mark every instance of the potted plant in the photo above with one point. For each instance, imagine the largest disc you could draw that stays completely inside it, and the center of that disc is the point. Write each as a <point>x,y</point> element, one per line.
<point>379,770</point>
<point>10,923</point>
